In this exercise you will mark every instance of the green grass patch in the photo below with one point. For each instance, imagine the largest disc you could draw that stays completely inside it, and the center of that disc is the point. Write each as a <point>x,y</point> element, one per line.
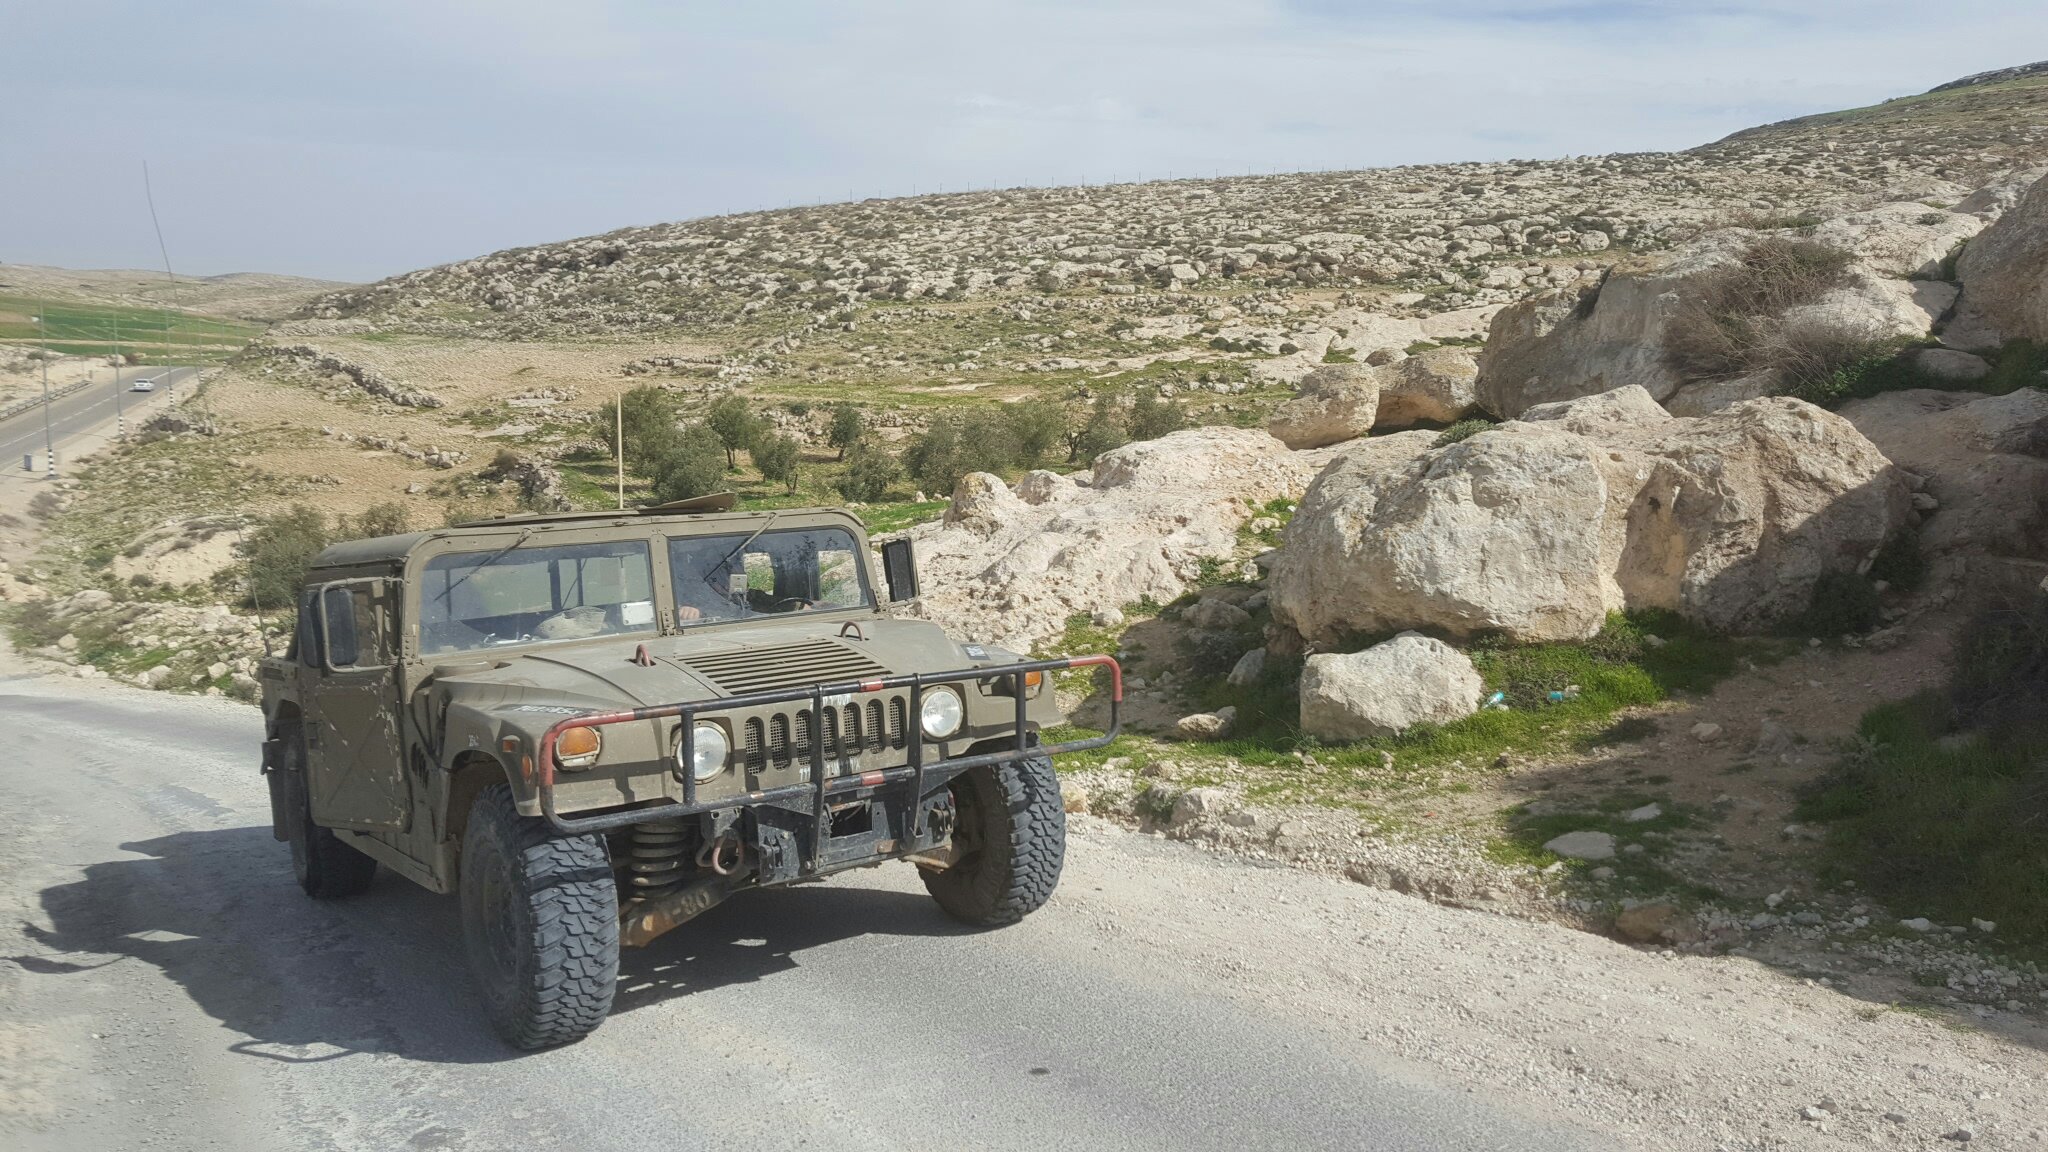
<point>1942,824</point>
<point>1622,667</point>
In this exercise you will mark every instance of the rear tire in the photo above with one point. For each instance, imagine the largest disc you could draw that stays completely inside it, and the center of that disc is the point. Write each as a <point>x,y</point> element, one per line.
<point>540,921</point>
<point>1011,831</point>
<point>326,868</point>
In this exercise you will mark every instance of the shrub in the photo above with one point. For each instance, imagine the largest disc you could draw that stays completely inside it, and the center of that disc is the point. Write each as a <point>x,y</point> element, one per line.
<point>869,472</point>
<point>777,458</point>
<point>2019,364</point>
<point>280,550</point>
<point>1728,323</point>
<point>695,466</point>
<point>1462,430</point>
<point>1152,417</point>
<point>650,425</point>
<point>1843,603</point>
<point>1037,426</point>
<point>1103,430</point>
<point>386,519</point>
<point>956,444</point>
<point>848,427</point>
<point>735,425</point>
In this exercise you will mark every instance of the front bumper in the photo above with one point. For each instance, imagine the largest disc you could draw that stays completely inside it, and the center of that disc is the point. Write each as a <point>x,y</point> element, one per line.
<point>815,797</point>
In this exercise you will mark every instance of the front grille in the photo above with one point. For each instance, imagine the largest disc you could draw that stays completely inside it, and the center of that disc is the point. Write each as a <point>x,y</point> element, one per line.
<point>780,739</point>
<point>783,666</point>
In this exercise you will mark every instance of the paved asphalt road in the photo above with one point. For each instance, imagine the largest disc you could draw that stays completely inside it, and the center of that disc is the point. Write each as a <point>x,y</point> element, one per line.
<point>166,986</point>
<point>83,411</point>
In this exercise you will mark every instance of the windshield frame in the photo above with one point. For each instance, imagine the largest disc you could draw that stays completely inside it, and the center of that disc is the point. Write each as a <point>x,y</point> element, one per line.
<point>749,534</point>
<point>516,538</point>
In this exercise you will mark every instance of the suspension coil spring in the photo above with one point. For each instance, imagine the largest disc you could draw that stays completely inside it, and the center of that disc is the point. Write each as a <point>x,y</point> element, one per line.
<point>657,858</point>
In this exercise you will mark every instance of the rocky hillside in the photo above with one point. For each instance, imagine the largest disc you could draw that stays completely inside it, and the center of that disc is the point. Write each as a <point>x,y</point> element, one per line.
<point>1460,233</point>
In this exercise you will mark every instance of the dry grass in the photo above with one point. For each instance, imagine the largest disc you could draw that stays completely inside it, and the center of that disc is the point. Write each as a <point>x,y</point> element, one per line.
<point>1730,324</point>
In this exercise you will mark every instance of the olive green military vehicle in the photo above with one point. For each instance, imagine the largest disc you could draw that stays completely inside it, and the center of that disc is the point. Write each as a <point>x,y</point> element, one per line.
<point>593,726</point>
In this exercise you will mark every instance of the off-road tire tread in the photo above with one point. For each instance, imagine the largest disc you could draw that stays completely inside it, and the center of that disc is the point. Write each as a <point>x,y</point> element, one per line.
<point>567,883</point>
<point>1026,845</point>
<point>334,870</point>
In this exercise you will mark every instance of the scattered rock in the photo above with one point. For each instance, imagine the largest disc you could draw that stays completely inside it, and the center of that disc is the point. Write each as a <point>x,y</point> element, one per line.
<point>1647,922</point>
<point>1585,845</point>
<point>1387,689</point>
<point>1215,725</point>
<point>1706,732</point>
<point>1644,814</point>
<point>1336,402</point>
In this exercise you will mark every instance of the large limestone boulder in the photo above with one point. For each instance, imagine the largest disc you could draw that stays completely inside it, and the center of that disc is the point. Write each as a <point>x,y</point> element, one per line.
<point>1438,386</point>
<point>1900,240</point>
<point>1387,689</point>
<point>1583,340</point>
<point>2004,273</point>
<point>1336,402</point>
<point>1984,460</point>
<point>1587,339</point>
<point>1537,529</point>
<point>1012,571</point>
<point>1998,197</point>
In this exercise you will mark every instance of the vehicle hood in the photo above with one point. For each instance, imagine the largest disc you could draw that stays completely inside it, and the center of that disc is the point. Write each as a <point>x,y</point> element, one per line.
<point>716,662</point>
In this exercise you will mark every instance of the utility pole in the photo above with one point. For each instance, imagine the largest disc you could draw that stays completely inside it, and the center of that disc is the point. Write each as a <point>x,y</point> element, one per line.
<point>49,442</point>
<point>120,419</point>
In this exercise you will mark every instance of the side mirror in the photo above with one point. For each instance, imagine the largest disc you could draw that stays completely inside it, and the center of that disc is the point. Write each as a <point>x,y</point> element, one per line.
<point>899,568</point>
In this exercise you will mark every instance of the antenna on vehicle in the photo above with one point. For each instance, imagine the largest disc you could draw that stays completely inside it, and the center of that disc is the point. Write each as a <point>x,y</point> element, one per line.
<point>619,440</point>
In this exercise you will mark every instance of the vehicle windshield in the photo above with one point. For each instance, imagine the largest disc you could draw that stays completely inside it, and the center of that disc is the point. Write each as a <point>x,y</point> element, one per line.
<point>775,572</point>
<point>515,595</point>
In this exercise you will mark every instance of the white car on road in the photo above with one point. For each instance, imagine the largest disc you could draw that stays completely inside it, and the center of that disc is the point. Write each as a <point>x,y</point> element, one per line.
<point>145,384</point>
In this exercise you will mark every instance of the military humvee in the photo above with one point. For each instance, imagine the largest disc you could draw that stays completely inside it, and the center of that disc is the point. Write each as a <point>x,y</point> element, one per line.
<point>594,726</point>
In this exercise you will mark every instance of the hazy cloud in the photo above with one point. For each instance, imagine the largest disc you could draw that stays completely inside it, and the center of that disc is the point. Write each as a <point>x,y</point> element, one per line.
<point>365,138</point>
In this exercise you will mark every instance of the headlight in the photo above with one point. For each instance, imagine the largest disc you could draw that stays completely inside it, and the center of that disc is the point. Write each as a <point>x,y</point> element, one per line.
<point>708,751</point>
<point>941,713</point>
<point>578,747</point>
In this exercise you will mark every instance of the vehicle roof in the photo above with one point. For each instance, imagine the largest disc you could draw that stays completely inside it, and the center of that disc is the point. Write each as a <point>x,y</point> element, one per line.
<point>394,549</point>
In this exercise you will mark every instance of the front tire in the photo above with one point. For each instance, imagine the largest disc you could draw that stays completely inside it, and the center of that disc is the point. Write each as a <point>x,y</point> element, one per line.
<point>326,868</point>
<point>540,921</point>
<point>1011,838</point>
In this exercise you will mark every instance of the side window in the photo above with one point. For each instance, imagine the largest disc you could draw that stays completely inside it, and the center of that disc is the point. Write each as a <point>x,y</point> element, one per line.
<point>359,625</point>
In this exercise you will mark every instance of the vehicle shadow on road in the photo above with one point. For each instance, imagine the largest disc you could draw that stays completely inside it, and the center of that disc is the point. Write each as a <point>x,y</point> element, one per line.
<point>303,981</point>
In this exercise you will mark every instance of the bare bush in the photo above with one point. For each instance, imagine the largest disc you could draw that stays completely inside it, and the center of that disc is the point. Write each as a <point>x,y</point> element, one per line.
<point>1728,324</point>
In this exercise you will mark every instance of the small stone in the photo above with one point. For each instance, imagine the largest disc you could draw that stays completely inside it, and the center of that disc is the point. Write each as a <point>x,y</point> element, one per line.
<point>1895,1117</point>
<point>1815,1112</point>
<point>1632,850</point>
<point>1983,925</point>
<point>1207,725</point>
<point>1645,813</point>
<point>1774,899</point>
<point>1603,872</point>
<point>68,642</point>
<point>1587,845</point>
<point>1918,924</point>
<point>1960,1135</point>
<point>1386,761</point>
<point>1653,640</point>
<point>1706,732</point>
<point>1108,618</point>
<point>1646,922</point>
<point>1073,797</point>
<point>1161,770</point>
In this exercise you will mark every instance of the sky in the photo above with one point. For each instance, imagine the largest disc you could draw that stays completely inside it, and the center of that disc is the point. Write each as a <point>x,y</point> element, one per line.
<point>357,139</point>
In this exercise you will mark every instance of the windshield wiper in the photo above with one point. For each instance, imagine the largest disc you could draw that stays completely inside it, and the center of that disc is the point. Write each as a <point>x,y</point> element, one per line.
<point>448,593</point>
<point>725,564</point>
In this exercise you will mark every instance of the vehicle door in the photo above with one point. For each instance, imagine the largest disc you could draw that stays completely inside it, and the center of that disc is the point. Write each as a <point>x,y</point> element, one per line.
<point>354,753</point>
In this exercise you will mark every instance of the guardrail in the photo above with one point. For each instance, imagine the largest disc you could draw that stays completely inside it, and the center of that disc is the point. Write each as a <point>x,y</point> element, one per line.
<point>20,406</point>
